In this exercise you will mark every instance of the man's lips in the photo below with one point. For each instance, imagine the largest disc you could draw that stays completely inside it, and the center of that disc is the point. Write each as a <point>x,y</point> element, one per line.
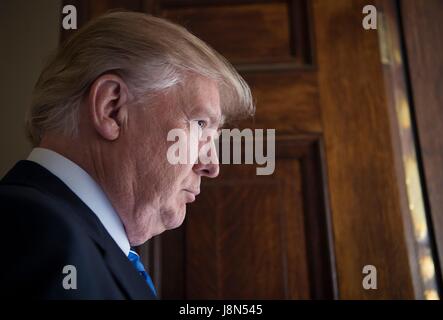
<point>192,194</point>
<point>195,192</point>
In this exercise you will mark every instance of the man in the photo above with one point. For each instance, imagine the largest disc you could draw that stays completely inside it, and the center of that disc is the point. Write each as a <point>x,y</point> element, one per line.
<point>98,181</point>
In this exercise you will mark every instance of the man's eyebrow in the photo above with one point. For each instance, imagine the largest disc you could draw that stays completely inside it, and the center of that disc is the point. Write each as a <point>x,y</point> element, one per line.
<point>214,118</point>
<point>217,119</point>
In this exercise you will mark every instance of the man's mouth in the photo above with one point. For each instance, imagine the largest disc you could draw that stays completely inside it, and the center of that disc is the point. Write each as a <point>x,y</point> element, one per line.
<point>191,194</point>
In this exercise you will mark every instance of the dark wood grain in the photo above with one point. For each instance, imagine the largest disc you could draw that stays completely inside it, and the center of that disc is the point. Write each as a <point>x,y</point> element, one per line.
<point>366,215</point>
<point>252,33</point>
<point>286,100</point>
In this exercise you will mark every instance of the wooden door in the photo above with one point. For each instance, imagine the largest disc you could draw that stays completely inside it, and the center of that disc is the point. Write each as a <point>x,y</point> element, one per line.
<point>333,204</point>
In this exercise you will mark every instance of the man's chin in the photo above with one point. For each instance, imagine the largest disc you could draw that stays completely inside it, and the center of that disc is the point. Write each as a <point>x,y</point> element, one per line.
<point>174,219</point>
<point>176,222</point>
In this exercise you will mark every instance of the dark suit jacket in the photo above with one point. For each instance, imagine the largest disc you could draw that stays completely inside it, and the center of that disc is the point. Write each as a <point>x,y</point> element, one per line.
<point>46,227</point>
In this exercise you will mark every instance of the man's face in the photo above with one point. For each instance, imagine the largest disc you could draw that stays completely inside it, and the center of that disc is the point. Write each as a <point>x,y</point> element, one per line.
<point>161,190</point>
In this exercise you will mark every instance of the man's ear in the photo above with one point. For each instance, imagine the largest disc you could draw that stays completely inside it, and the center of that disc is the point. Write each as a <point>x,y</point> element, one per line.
<point>107,100</point>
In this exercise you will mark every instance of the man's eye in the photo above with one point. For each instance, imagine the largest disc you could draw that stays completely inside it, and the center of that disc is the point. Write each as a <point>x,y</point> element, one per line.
<point>201,123</point>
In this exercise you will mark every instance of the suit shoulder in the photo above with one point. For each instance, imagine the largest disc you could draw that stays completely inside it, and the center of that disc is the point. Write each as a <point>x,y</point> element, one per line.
<point>45,238</point>
<point>30,213</point>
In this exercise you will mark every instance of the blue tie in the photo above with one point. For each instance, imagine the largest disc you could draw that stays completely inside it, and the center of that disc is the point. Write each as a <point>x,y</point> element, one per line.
<point>136,261</point>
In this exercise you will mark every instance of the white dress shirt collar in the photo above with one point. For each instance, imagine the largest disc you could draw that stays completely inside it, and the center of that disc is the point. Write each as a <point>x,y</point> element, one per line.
<point>82,184</point>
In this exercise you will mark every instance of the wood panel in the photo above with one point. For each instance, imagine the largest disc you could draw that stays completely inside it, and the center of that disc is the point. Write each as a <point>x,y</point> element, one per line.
<point>366,214</point>
<point>254,32</point>
<point>268,22</point>
<point>295,92</point>
<point>249,219</point>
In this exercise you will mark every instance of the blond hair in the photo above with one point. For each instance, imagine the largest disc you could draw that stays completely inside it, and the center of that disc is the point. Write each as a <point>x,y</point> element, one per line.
<point>149,53</point>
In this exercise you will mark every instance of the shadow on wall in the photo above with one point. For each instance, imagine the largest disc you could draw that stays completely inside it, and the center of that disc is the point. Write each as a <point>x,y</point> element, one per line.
<point>29,32</point>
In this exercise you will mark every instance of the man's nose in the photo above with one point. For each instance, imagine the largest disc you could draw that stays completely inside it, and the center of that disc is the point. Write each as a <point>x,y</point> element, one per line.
<point>210,170</point>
